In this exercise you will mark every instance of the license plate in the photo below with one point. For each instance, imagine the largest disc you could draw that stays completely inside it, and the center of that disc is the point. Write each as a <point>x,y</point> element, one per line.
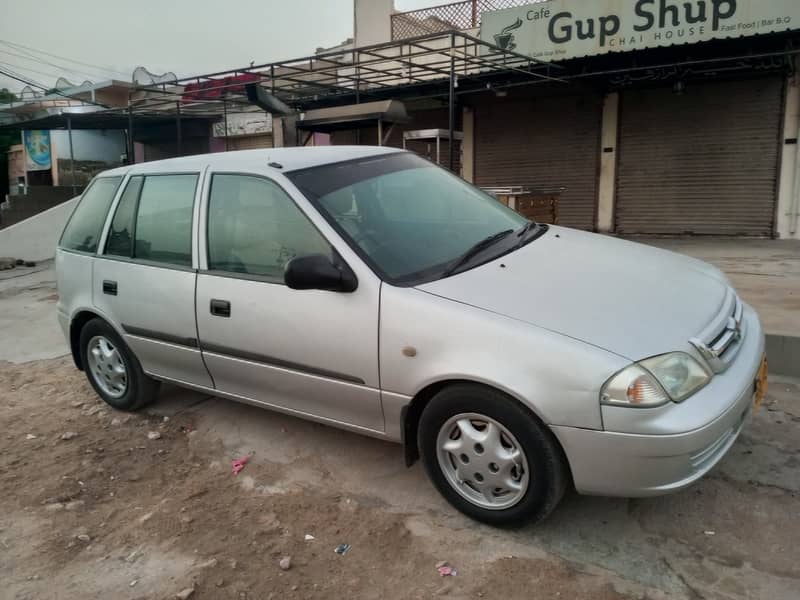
<point>761,384</point>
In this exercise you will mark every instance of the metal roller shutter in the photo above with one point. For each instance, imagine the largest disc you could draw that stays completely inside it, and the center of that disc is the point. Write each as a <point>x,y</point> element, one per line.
<point>703,162</point>
<point>250,142</point>
<point>543,143</point>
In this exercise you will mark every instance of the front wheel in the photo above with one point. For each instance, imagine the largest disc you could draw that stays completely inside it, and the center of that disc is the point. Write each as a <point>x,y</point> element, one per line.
<point>112,369</point>
<point>490,457</point>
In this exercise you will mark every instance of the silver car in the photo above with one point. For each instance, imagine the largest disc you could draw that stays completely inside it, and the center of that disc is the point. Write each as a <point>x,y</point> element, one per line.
<point>368,289</point>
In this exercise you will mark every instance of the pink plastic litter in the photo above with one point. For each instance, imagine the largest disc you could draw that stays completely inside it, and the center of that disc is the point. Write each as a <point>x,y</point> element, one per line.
<point>447,571</point>
<point>238,464</point>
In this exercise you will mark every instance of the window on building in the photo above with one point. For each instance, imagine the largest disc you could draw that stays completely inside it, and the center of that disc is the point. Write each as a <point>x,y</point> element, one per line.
<point>120,236</point>
<point>163,231</point>
<point>254,227</point>
<point>83,230</point>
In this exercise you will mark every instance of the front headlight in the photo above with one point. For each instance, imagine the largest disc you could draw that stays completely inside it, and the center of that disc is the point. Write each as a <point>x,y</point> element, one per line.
<point>655,381</point>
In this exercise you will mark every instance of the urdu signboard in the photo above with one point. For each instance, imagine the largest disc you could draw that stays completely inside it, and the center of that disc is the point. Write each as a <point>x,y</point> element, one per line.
<point>562,29</point>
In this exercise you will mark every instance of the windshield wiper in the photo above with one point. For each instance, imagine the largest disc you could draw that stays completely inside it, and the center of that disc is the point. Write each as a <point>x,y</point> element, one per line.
<point>537,228</point>
<point>475,249</point>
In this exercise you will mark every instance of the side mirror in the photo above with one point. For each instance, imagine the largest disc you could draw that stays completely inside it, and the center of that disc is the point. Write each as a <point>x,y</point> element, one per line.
<point>317,272</point>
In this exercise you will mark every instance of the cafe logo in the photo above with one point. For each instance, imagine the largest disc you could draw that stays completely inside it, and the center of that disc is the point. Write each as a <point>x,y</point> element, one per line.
<point>505,39</point>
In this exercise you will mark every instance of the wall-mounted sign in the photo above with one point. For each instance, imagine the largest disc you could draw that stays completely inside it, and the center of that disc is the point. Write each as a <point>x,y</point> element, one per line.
<point>562,29</point>
<point>251,123</point>
<point>37,150</point>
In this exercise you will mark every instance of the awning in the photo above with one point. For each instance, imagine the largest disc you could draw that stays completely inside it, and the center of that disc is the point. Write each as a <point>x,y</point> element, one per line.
<point>85,117</point>
<point>353,116</point>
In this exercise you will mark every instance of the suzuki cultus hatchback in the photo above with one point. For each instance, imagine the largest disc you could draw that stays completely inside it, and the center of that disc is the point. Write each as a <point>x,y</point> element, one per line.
<point>369,289</point>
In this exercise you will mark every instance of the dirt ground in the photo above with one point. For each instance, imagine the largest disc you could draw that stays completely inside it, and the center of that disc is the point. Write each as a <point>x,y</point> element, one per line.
<point>110,513</point>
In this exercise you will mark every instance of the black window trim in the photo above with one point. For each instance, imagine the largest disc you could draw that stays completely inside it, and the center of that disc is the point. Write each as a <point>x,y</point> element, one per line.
<point>134,259</point>
<point>253,276</point>
<point>59,246</point>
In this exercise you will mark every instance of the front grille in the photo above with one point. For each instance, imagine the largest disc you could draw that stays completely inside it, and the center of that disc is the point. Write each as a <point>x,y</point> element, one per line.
<point>720,341</point>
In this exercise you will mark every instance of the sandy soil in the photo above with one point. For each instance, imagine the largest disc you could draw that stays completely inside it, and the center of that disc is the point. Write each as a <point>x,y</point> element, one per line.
<point>111,513</point>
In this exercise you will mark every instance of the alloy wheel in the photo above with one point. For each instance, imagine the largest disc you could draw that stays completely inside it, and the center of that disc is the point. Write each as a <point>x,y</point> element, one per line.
<point>106,367</point>
<point>482,461</point>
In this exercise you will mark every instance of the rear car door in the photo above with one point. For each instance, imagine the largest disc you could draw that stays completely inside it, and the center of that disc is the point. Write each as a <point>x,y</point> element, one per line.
<point>144,280</point>
<point>306,351</point>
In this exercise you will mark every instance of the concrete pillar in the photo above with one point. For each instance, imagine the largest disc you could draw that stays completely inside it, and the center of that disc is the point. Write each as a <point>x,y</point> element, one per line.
<point>54,149</point>
<point>277,132</point>
<point>789,185</point>
<point>372,23</point>
<point>468,144</point>
<point>608,163</point>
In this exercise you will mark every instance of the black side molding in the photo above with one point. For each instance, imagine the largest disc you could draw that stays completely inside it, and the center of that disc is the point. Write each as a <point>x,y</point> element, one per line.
<point>279,362</point>
<point>160,337</point>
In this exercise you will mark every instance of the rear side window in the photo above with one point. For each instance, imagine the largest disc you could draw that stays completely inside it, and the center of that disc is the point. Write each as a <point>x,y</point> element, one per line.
<point>162,229</point>
<point>86,223</point>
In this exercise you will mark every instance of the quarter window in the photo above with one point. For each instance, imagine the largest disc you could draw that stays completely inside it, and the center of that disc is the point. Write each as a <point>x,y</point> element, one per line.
<point>86,223</point>
<point>163,226</point>
<point>120,236</point>
<point>254,227</point>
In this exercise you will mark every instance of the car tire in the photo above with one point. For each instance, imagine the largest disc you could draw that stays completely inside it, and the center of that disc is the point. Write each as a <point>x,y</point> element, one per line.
<point>478,426</point>
<point>112,369</point>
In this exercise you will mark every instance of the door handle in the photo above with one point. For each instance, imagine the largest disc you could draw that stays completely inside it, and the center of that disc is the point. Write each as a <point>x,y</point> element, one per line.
<point>109,287</point>
<point>220,308</point>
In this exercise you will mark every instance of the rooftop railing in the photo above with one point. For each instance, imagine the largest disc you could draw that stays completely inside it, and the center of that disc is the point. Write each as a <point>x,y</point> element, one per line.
<point>446,17</point>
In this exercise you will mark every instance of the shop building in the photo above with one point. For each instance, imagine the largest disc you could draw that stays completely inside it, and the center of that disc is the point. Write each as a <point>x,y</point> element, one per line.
<point>681,117</point>
<point>631,117</point>
<point>676,118</point>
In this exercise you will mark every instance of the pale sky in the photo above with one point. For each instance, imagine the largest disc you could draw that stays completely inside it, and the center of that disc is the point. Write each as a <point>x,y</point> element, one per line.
<point>187,37</point>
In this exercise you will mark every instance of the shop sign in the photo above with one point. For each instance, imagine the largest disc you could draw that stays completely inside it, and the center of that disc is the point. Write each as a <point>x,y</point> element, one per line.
<point>563,29</point>
<point>250,123</point>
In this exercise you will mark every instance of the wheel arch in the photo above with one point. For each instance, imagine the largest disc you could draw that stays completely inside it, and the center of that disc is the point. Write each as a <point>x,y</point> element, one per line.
<point>76,325</point>
<point>412,412</point>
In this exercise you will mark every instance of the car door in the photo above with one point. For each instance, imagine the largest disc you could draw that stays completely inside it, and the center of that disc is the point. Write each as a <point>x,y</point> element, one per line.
<point>144,280</point>
<point>311,352</point>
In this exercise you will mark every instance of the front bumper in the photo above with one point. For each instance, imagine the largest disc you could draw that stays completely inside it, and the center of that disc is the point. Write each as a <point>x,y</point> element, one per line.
<point>630,464</point>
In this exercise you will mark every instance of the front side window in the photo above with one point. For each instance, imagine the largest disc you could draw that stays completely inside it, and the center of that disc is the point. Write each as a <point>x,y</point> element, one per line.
<point>163,224</point>
<point>254,227</point>
<point>83,230</point>
<point>411,219</point>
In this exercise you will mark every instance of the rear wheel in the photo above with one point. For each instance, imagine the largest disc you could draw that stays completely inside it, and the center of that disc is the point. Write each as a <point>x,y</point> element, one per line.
<point>112,369</point>
<point>490,457</point>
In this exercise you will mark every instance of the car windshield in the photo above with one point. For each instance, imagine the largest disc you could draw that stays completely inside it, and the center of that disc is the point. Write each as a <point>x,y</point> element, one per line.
<point>410,219</point>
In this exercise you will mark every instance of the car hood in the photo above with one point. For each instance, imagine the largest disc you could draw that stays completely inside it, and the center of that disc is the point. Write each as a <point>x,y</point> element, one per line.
<point>631,299</point>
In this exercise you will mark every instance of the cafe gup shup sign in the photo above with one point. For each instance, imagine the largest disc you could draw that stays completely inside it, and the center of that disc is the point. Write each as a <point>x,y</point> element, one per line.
<point>562,29</point>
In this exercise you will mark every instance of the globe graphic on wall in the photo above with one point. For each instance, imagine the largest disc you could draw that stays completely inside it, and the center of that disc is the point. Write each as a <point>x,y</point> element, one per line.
<point>37,145</point>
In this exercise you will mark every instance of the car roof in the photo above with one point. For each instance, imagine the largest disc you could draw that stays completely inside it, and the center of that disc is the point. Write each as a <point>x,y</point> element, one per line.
<point>290,159</point>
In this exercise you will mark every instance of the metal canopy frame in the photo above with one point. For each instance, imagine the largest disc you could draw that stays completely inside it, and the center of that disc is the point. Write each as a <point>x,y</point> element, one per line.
<point>439,66</point>
<point>428,66</point>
